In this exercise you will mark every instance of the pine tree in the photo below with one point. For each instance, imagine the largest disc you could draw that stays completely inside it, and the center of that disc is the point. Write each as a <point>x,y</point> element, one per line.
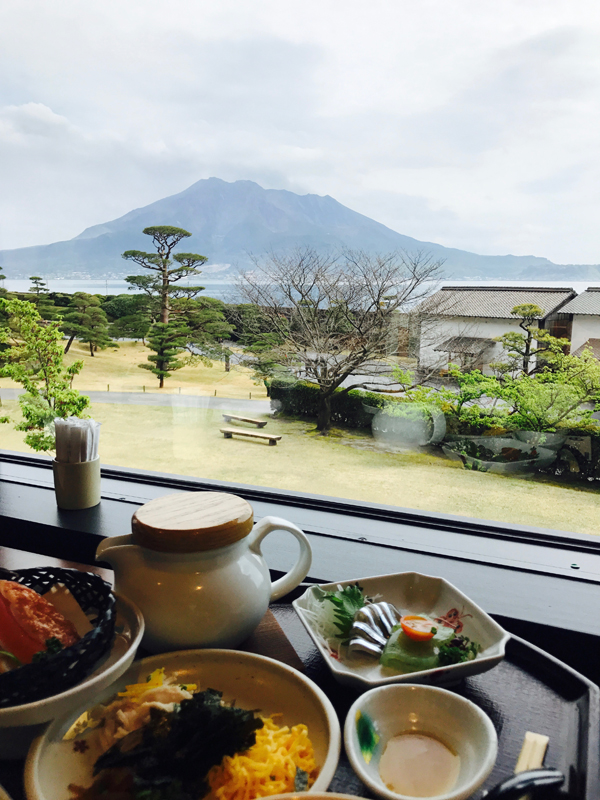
<point>161,286</point>
<point>167,341</point>
<point>132,326</point>
<point>87,321</point>
<point>41,300</point>
<point>39,285</point>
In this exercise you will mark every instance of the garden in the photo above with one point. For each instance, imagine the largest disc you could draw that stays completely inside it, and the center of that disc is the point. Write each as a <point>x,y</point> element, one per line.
<point>518,445</point>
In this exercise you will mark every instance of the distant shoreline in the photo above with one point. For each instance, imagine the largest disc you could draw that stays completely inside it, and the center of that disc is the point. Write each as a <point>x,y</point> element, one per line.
<point>221,290</point>
<point>226,290</point>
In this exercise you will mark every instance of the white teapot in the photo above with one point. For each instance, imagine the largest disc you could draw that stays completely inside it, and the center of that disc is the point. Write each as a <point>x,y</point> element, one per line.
<point>194,566</point>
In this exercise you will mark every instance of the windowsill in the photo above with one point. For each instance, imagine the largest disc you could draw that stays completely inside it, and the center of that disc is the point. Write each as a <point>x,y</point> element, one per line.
<point>524,577</point>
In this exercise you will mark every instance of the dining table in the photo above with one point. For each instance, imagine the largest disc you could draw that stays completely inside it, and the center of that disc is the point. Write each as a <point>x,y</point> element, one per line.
<point>529,691</point>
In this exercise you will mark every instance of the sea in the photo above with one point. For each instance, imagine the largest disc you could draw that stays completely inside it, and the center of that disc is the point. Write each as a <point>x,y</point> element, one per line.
<point>221,290</point>
<point>227,292</point>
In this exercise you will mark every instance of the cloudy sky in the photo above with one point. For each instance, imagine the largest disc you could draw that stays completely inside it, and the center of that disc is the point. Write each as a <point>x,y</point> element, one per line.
<point>472,124</point>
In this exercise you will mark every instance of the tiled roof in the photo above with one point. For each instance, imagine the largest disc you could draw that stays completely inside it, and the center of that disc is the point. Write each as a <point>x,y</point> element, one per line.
<point>593,345</point>
<point>587,302</point>
<point>471,345</point>
<point>492,301</point>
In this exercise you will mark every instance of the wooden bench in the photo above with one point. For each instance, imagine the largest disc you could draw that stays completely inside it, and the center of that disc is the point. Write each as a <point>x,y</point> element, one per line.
<point>272,438</point>
<point>260,423</point>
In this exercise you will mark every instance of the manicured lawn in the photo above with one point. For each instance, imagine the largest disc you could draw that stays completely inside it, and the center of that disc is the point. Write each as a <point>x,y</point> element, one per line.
<point>118,368</point>
<point>187,441</point>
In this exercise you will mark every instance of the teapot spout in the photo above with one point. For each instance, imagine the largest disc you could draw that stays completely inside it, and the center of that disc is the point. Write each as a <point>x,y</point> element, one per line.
<point>113,549</point>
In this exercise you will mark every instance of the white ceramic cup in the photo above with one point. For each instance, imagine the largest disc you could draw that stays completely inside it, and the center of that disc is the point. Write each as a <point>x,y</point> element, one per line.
<point>408,708</point>
<point>77,486</point>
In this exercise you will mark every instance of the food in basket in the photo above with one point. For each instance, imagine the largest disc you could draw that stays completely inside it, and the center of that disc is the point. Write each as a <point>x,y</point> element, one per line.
<point>55,626</point>
<point>162,739</point>
<point>351,624</point>
<point>30,626</point>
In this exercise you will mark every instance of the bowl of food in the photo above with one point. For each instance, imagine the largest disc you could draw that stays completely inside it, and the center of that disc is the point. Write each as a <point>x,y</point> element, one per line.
<point>405,741</point>
<point>55,624</point>
<point>108,631</point>
<point>405,627</point>
<point>197,720</point>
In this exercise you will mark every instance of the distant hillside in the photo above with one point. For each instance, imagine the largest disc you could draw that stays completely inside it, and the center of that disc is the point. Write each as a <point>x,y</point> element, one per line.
<point>230,220</point>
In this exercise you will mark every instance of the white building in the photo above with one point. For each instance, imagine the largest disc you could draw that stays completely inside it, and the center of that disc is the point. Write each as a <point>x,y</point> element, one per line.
<point>585,325</point>
<point>459,325</point>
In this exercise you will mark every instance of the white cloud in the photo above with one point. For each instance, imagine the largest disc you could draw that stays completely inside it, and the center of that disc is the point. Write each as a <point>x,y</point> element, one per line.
<point>472,125</point>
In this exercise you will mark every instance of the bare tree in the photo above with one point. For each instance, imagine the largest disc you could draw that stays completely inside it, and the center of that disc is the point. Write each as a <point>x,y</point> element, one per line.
<point>333,314</point>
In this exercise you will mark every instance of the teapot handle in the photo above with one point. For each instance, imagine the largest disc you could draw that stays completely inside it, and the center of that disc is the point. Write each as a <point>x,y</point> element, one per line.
<point>112,541</point>
<point>300,569</point>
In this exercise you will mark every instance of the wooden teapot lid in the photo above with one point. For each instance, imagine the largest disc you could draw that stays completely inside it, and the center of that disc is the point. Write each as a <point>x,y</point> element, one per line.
<point>191,522</point>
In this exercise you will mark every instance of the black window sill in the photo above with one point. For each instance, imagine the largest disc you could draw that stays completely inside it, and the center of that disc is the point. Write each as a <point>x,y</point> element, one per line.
<point>540,584</point>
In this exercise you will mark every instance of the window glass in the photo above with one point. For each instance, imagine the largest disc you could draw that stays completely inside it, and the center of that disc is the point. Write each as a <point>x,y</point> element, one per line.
<point>169,213</point>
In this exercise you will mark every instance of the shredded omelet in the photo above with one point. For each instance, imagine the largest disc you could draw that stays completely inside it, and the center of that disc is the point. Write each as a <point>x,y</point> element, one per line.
<point>267,768</point>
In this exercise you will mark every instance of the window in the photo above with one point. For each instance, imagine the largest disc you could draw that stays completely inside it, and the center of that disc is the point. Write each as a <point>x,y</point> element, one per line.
<point>435,137</point>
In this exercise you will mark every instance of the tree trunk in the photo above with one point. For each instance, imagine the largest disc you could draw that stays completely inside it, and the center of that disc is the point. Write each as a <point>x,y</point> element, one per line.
<point>161,382</point>
<point>324,415</point>
<point>227,362</point>
<point>527,353</point>
<point>164,294</point>
<point>91,349</point>
<point>69,343</point>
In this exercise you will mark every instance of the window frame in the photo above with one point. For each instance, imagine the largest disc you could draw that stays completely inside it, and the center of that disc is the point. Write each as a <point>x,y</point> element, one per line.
<point>522,576</point>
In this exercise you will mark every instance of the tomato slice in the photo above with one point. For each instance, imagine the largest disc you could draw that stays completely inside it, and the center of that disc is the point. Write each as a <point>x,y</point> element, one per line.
<point>417,628</point>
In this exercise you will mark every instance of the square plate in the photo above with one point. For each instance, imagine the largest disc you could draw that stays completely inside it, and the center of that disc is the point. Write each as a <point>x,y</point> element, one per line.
<point>413,593</point>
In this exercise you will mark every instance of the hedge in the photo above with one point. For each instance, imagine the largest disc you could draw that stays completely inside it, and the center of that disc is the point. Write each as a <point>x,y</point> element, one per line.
<point>301,399</point>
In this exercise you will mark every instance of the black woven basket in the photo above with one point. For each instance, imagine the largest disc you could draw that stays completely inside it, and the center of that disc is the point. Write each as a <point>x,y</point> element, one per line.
<point>64,669</point>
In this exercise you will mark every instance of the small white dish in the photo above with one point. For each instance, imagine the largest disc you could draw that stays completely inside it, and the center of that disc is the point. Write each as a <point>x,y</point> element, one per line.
<point>20,724</point>
<point>456,722</point>
<point>254,682</point>
<point>414,593</point>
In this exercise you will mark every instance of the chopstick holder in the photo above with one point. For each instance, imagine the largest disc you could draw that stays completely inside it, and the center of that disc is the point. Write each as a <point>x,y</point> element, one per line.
<point>76,467</point>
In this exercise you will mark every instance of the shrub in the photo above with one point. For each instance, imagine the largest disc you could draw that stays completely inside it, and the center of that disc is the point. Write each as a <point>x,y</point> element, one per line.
<point>301,399</point>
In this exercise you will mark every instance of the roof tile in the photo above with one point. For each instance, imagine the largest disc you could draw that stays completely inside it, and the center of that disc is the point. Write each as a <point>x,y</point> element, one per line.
<point>587,302</point>
<point>494,301</point>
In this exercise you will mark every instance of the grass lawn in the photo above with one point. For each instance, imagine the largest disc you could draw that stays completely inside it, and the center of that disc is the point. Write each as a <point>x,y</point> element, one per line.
<point>187,441</point>
<point>119,369</point>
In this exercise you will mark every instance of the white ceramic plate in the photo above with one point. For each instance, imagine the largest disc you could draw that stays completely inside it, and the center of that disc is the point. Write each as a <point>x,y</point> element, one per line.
<point>20,724</point>
<point>254,682</point>
<point>413,593</point>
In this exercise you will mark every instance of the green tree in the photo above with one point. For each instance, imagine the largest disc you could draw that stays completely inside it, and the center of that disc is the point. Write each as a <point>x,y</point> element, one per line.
<point>41,298</point>
<point>130,316</point>
<point>531,351</point>
<point>39,285</point>
<point>206,327</point>
<point>169,267</point>
<point>168,341</point>
<point>87,321</point>
<point>132,326</point>
<point>124,305</point>
<point>556,396</point>
<point>34,358</point>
